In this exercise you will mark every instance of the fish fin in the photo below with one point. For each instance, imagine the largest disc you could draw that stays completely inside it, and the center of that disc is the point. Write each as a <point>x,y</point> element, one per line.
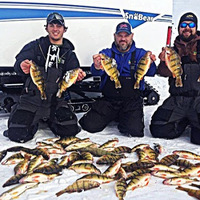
<point>198,79</point>
<point>179,82</point>
<point>59,93</point>
<point>181,71</point>
<point>137,85</point>
<point>133,188</point>
<point>111,78</point>
<point>43,96</point>
<point>117,84</point>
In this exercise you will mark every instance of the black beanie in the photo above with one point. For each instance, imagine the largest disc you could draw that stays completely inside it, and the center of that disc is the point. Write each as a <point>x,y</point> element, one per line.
<point>188,17</point>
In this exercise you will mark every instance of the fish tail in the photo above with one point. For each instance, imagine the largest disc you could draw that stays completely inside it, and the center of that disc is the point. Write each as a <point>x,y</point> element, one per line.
<point>43,96</point>
<point>179,82</point>
<point>180,188</point>
<point>137,85</point>
<point>117,84</point>
<point>195,185</point>
<point>60,192</point>
<point>59,93</point>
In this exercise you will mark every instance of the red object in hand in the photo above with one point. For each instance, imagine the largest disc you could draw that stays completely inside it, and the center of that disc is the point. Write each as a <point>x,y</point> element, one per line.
<point>169,34</point>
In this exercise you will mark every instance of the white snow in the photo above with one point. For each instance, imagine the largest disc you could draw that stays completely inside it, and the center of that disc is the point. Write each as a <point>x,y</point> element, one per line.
<point>155,190</point>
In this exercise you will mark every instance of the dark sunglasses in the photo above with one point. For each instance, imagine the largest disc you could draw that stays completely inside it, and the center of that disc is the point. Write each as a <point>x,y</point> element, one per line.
<point>191,25</point>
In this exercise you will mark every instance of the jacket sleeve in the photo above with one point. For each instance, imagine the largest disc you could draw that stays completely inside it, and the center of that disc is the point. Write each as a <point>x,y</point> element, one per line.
<point>27,52</point>
<point>163,70</point>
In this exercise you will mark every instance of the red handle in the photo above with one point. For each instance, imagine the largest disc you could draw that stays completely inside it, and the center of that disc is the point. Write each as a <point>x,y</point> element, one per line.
<point>169,34</point>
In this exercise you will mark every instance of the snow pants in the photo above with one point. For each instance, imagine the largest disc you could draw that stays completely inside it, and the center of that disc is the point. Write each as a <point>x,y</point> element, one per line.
<point>174,115</point>
<point>128,113</point>
<point>24,119</point>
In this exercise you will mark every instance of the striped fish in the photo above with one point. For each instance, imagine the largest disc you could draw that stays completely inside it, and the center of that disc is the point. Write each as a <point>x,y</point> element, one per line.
<point>110,67</point>
<point>85,168</point>
<point>187,154</point>
<point>79,186</point>
<point>13,159</point>
<point>169,159</point>
<point>139,181</point>
<point>120,188</point>
<point>13,180</point>
<point>15,192</point>
<point>97,177</point>
<point>38,79</point>
<point>37,178</point>
<point>21,167</point>
<point>68,80</point>
<point>191,192</point>
<point>34,163</point>
<point>173,62</point>
<point>142,68</point>
<point>113,169</point>
<point>178,181</point>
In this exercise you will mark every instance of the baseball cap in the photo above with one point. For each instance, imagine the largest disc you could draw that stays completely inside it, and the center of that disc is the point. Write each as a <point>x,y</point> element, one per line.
<point>189,16</point>
<point>123,27</point>
<point>55,18</point>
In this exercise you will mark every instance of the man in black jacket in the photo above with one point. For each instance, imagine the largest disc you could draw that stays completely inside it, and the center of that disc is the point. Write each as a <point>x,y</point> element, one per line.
<point>54,55</point>
<point>182,107</point>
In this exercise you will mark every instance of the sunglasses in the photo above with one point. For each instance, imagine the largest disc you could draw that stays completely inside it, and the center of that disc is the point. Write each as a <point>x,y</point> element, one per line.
<point>191,25</point>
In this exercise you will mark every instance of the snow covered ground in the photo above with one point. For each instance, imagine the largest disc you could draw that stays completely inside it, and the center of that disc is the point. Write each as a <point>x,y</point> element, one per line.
<point>155,190</point>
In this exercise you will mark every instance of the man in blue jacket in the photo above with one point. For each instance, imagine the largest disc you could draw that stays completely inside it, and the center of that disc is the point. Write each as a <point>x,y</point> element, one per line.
<point>125,104</point>
<point>54,56</point>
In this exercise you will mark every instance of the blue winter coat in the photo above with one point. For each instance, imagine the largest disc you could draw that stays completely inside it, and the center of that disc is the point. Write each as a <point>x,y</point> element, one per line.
<point>123,63</point>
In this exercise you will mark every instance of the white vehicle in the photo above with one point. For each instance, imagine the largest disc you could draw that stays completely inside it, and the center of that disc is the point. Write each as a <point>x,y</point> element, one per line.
<point>91,24</point>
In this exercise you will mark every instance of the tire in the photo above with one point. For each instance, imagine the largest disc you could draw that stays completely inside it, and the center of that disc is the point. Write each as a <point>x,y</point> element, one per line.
<point>152,98</point>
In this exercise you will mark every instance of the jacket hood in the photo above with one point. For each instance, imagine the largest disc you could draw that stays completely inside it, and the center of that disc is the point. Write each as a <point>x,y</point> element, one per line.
<point>68,44</point>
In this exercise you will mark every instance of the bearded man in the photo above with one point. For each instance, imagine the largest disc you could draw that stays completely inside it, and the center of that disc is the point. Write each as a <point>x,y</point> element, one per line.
<point>182,108</point>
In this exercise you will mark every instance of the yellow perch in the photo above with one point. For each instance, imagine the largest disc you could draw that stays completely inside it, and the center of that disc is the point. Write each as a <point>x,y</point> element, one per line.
<point>173,62</point>
<point>120,188</point>
<point>79,186</point>
<point>178,181</point>
<point>142,68</point>
<point>68,79</point>
<point>110,67</point>
<point>187,154</point>
<point>38,79</point>
<point>15,192</point>
<point>139,181</point>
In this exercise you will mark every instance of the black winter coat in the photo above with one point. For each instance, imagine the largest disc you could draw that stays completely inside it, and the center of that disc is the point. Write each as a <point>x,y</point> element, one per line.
<point>37,51</point>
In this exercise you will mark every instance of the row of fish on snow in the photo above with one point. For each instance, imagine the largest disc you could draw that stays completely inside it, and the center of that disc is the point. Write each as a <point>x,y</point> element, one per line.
<point>51,156</point>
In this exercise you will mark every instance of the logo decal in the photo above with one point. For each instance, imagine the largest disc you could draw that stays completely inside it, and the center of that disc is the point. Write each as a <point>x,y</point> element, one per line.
<point>136,18</point>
